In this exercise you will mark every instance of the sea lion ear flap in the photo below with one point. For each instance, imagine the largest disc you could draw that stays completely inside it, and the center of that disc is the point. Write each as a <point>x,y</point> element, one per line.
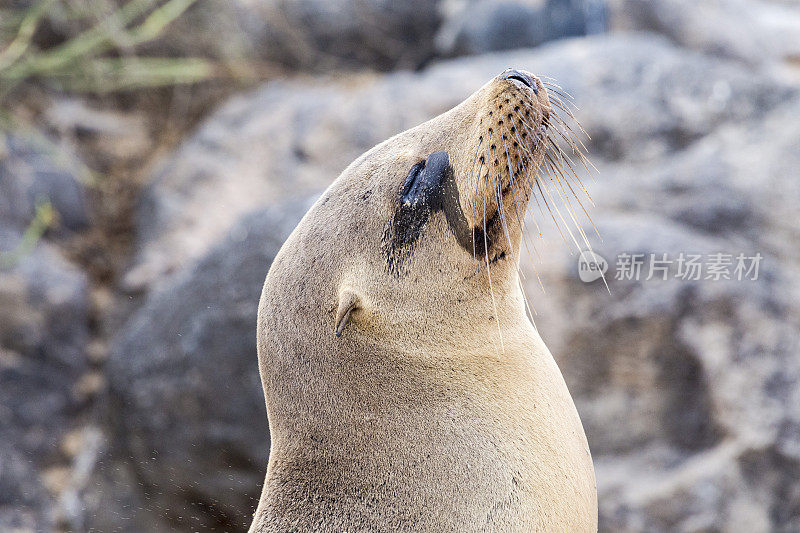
<point>348,302</point>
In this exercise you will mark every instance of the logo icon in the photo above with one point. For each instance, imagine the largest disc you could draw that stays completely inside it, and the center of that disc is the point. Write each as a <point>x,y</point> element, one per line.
<point>591,266</point>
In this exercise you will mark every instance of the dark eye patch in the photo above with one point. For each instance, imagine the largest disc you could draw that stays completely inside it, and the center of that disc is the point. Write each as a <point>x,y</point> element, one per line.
<point>419,196</point>
<point>413,189</point>
<point>429,187</point>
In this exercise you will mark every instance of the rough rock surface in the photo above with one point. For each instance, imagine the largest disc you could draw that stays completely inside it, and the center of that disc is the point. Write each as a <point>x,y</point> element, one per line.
<point>688,389</point>
<point>185,375</point>
<point>479,26</point>
<point>31,172</point>
<point>756,32</point>
<point>43,331</point>
<point>321,34</point>
<point>43,335</point>
<point>24,502</point>
<point>309,34</point>
<point>641,98</point>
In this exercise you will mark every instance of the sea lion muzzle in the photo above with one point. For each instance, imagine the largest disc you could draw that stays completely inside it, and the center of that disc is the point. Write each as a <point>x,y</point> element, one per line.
<point>523,78</point>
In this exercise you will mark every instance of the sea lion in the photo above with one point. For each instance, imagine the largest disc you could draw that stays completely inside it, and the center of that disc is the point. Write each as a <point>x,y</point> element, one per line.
<point>406,388</point>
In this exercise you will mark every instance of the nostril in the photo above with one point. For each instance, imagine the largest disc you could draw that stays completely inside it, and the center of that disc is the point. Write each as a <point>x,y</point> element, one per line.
<point>526,80</point>
<point>519,78</point>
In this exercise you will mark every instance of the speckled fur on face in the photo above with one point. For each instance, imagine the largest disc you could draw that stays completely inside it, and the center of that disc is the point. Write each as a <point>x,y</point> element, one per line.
<point>511,128</point>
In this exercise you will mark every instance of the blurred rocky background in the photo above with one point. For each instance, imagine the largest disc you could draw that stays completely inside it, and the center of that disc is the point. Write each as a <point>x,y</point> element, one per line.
<point>155,154</point>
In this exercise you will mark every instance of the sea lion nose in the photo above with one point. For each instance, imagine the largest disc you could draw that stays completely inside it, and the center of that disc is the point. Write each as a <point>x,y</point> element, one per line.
<point>525,79</point>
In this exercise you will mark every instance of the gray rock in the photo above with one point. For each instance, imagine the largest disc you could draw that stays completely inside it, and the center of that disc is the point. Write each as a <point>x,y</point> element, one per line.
<point>185,374</point>
<point>688,389</point>
<point>32,171</point>
<point>43,330</point>
<point>680,384</point>
<point>757,32</point>
<point>640,97</point>
<point>323,34</point>
<point>24,503</point>
<point>43,337</point>
<point>480,26</point>
<point>45,297</point>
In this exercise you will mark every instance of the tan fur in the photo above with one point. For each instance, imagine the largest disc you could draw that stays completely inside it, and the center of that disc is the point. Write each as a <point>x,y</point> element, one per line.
<point>424,415</point>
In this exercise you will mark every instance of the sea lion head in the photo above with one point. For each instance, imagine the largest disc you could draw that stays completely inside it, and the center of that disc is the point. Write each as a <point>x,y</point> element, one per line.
<point>482,174</point>
<point>418,239</point>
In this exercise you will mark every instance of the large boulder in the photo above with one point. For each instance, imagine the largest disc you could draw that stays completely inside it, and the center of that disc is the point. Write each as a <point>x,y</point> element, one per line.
<point>688,389</point>
<point>640,98</point>
<point>479,26</point>
<point>754,31</point>
<point>24,502</point>
<point>43,327</point>
<point>184,374</point>
<point>322,34</point>
<point>315,35</point>
<point>34,171</point>
<point>43,338</point>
